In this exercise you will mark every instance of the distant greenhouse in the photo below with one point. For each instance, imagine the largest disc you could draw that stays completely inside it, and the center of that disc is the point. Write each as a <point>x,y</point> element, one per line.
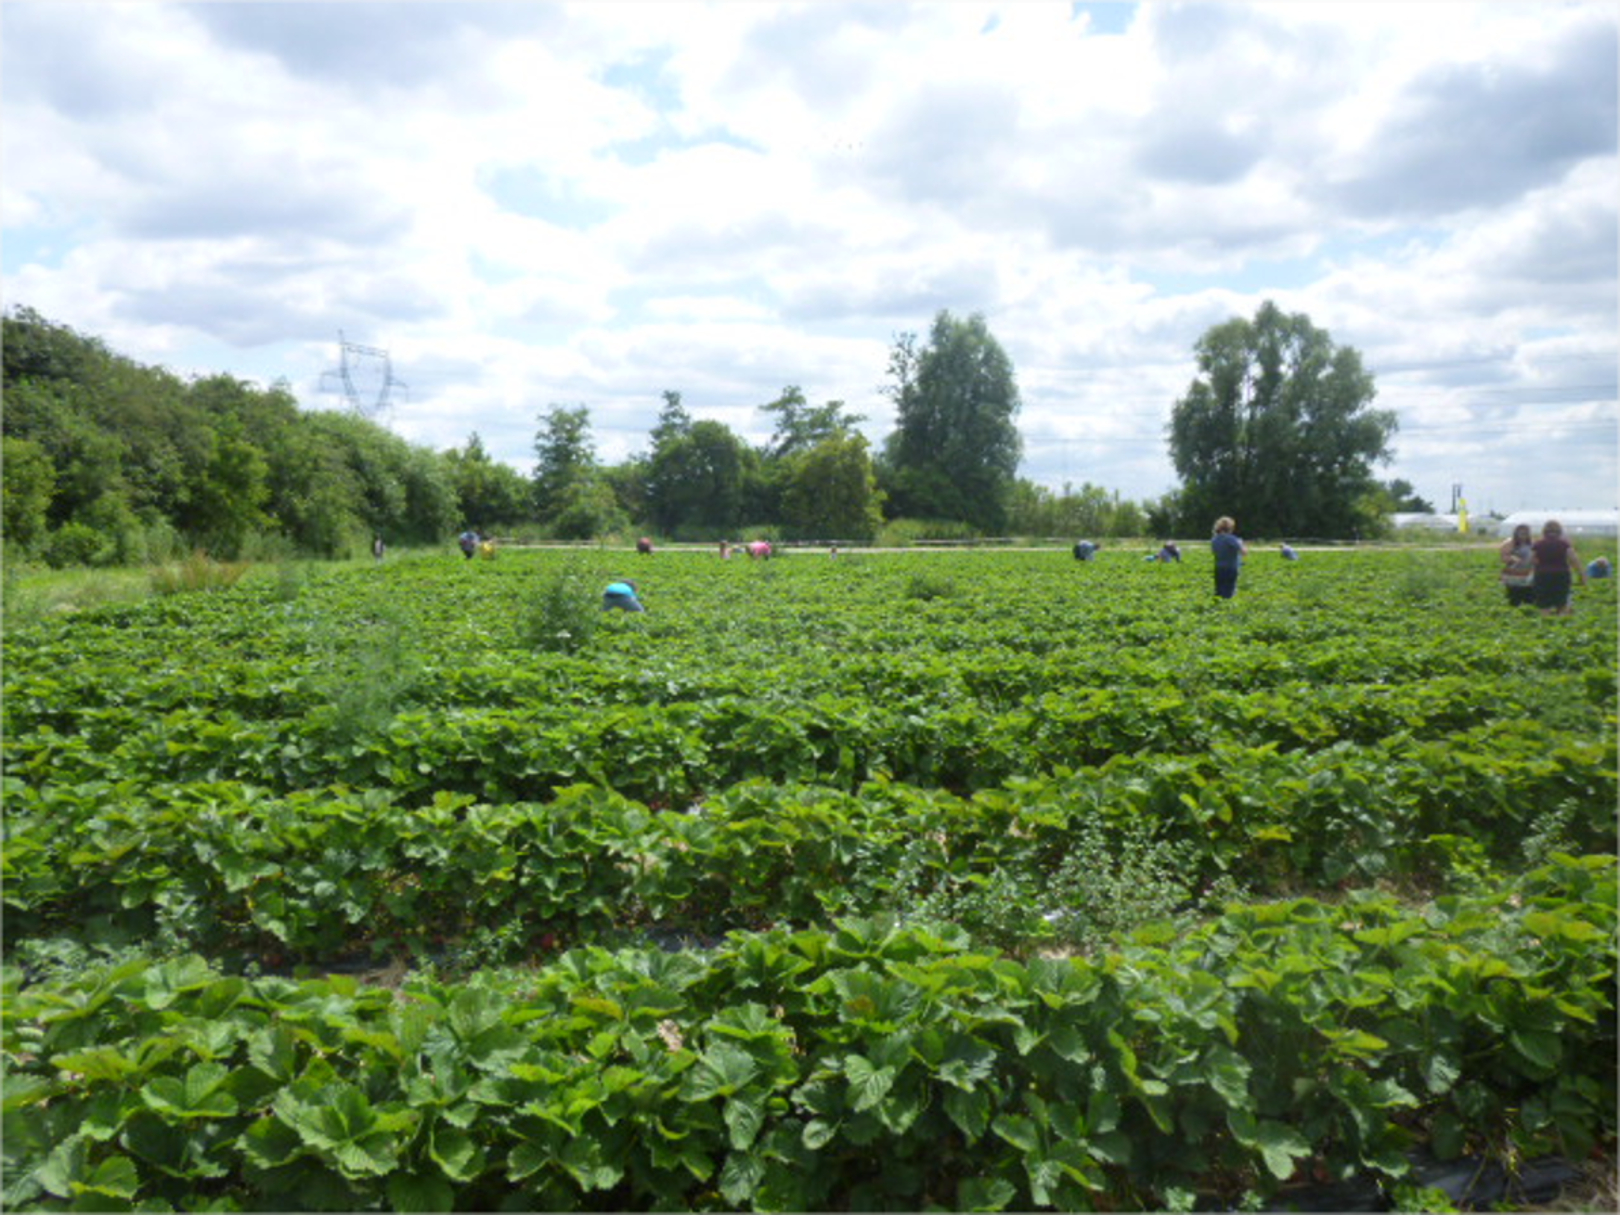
<point>1603,524</point>
<point>1423,521</point>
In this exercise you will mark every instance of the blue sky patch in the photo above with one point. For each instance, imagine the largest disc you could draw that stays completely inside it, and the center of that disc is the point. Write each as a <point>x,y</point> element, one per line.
<point>645,77</point>
<point>32,246</point>
<point>1255,275</point>
<point>1106,18</point>
<point>533,192</point>
<point>647,149</point>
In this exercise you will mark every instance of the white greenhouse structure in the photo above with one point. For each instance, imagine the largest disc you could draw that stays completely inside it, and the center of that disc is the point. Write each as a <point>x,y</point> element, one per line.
<point>1599,524</point>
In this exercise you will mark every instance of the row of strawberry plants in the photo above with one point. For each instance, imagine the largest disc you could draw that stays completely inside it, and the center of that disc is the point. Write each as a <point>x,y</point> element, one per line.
<point>54,684</point>
<point>815,629</point>
<point>863,1067</point>
<point>675,752</point>
<point>224,865</point>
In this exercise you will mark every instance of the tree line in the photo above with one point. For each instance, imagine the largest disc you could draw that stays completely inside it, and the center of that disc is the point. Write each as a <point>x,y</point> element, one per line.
<point>109,461</point>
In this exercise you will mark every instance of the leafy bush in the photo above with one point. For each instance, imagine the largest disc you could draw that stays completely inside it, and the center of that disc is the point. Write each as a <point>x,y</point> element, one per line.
<point>76,544</point>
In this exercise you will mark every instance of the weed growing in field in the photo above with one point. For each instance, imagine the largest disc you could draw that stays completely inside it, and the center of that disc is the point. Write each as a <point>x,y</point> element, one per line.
<point>1551,833</point>
<point>1421,581</point>
<point>198,572</point>
<point>929,586</point>
<point>366,676</point>
<point>1112,882</point>
<point>564,618</point>
<point>1109,882</point>
<point>291,578</point>
<point>21,604</point>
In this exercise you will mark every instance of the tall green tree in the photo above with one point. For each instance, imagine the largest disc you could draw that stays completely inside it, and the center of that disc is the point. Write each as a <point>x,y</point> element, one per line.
<point>27,483</point>
<point>565,456</point>
<point>1403,497</point>
<point>698,481</point>
<point>432,510</point>
<point>488,493</point>
<point>1277,431</point>
<point>831,491</point>
<point>955,449</point>
<point>661,495</point>
<point>673,420</point>
<point>570,493</point>
<point>798,429</point>
<point>226,506</point>
<point>800,425</point>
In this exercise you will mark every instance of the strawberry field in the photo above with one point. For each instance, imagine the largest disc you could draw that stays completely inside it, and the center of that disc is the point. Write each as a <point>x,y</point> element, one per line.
<point>965,881</point>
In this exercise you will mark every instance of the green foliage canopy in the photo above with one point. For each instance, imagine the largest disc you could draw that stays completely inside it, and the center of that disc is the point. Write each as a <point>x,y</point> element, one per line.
<point>832,492</point>
<point>488,493</point>
<point>1277,431</point>
<point>133,463</point>
<point>955,449</point>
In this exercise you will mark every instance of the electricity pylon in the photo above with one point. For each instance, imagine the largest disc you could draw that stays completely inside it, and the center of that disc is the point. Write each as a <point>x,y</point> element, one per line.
<point>365,376</point>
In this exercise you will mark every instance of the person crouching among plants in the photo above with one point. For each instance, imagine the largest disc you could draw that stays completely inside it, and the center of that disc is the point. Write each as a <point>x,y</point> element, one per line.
<point>621,595</point>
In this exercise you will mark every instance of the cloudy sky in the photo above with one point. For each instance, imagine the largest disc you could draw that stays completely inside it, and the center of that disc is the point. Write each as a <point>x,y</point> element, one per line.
<point>537,204</point>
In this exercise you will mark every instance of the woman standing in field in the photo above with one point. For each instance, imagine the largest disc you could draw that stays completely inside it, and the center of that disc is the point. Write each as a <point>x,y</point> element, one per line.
<point>1519,567</point>
<point>1229,552</point>
<point>1556,565</point>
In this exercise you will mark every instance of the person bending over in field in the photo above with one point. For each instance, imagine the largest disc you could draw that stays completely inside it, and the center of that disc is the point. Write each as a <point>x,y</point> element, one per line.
<point>1229,553</point>
<point>1084,550</point>
<point>1556,565</point>
<point>1170,552</point>
<point>621,595</point>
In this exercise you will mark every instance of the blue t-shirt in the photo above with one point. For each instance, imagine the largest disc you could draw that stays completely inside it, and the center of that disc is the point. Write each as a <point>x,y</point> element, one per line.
<point>1228,550</point>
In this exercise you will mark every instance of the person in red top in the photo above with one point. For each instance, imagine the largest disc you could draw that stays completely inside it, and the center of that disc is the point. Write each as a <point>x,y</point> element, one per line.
<point>1556,565</point>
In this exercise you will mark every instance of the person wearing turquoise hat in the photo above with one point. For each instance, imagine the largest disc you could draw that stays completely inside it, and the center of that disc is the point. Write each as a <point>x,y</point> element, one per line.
<point>621,595</point>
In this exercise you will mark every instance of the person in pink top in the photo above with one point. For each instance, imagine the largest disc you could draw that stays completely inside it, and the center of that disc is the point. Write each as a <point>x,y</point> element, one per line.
<point>759,548</point>
<point>1556,566</point>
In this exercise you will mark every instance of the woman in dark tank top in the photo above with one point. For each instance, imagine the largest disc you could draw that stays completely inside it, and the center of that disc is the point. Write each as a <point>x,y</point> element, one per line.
<point>1557,566</point>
